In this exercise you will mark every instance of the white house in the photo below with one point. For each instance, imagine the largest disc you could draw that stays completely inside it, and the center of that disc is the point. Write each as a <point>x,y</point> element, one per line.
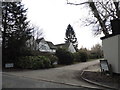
<point>111,46</point>
<point>45,46</point>
<point>52,46</point>
<point>68,46</point>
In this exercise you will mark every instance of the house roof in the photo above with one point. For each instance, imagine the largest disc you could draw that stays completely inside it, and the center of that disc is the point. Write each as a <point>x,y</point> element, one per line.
<point>63,45</point>
<point>38,40</point>
<point>51,45</point>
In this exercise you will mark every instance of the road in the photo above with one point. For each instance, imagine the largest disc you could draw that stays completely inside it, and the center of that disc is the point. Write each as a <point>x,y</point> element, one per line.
<point>11,81</point>
<point>69,74</point>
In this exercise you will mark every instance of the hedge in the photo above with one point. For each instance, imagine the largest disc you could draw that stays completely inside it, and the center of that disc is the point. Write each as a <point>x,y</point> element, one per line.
<point>80,56</point>
<point>34,62</point>
<point>64,56</point>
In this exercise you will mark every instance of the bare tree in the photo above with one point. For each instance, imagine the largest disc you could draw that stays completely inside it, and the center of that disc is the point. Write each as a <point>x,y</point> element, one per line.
<point>37,33</point>
<point>103,12</point>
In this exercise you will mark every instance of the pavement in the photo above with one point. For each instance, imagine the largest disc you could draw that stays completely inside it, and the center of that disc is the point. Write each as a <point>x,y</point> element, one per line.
<point>69,75</point>
<point>96,68</point>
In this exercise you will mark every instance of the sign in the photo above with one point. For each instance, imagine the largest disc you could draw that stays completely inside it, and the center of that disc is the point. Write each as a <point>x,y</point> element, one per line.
<point>9,65</point>
<point>55,63</point>
<point>104,65</point>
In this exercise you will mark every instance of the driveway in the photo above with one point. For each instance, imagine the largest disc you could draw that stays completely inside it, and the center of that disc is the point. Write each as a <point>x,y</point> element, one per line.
<point>65,75</point>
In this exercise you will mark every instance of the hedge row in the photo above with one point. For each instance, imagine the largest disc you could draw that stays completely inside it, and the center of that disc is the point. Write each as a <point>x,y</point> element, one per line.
<point>36,62</point>
<point>80,56</point>
<point>65,57</point>
<point>62,56</point>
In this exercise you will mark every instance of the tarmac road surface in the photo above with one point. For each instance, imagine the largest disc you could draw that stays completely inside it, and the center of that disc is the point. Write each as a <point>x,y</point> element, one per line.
<point>11,81</point>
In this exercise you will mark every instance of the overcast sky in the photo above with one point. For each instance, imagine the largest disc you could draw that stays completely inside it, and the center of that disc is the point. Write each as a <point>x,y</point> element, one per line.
<point>53,16</point>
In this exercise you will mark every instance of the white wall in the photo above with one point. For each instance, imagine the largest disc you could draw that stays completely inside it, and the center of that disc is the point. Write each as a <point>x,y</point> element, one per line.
<point>0,58</point>
<point>119,53</point>
<point>112,52</point>
<point>43,46</point>
<point>1,67</point>
<point>71,48</point>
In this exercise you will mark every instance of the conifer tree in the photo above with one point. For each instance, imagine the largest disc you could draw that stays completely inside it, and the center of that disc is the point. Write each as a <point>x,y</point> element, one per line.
<point>15,31</point>
<point>70,36</point>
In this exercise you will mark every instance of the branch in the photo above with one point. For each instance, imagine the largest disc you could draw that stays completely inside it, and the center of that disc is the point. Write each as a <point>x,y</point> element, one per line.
<point>76,3</point>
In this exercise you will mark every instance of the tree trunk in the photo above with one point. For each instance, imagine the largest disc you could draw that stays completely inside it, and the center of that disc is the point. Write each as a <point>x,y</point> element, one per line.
<point>4,25</point>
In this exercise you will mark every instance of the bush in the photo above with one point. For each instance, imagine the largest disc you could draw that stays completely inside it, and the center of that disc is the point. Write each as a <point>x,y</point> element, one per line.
<point>38,63</point>
<point>95,55</point>
<point>83,56</point>
<point>64,57</point>
<point>80,56</point>
<point>53,59</point>
<point>46,62</point>
<point>77,57</point>
<point>92,56</point>
<point>24,62</point>
<point>33,62</point>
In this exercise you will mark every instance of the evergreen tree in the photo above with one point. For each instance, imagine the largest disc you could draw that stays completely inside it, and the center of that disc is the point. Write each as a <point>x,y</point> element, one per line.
<point>70,37</point>
<point>15,31</point>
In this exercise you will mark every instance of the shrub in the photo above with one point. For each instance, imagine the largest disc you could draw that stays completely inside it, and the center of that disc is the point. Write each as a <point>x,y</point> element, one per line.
<point>95,55</point>
<point>77,57</point>
<point>64,56</point>
<point>80,56</point>
<point>24,62</point>
<point>38,63</point>
<point>83,56</point>
<point>92,56</point>
<point>46,62</point>
<point>33,62</point>
<point>53,59</point>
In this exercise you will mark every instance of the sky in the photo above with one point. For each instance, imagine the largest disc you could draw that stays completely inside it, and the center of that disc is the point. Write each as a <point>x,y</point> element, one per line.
<point>53,17</point>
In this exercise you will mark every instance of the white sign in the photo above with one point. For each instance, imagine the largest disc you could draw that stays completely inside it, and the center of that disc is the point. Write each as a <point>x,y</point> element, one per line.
<point>55,63</point>
<point>9,65</point>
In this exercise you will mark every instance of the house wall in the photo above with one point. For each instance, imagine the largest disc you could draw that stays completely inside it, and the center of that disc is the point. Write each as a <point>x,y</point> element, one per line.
<point>43,46</point>
<point>0,67</point>
<point>0,58</point>
<point>71,48</point>
<point>111,52</point>
<point>53,50</point>
<point>119,53</point>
